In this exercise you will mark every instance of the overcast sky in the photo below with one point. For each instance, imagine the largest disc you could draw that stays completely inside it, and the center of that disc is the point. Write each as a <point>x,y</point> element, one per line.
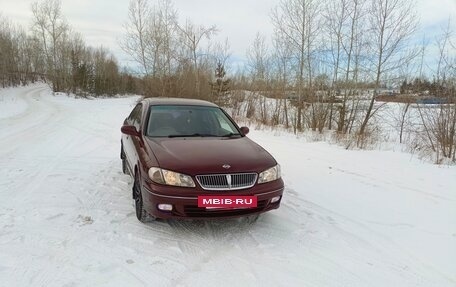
<point>100,21</point>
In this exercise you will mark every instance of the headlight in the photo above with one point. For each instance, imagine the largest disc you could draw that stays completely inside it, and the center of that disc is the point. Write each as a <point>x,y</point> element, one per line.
<point>163,176</point>
<point>269,175</point>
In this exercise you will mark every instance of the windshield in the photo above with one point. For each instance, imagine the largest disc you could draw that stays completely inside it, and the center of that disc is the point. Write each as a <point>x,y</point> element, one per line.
<point>187,121</point>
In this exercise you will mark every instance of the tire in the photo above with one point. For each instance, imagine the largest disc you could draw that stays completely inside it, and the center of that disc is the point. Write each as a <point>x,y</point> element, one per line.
<point>124,162</point>
<point>141,213</point>
<point>124,167</point>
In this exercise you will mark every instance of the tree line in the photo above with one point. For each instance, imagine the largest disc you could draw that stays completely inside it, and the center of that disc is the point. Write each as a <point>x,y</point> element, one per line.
<point>322,56</point>
<point>328,62</point>
<point>52,51</point>
<point>327,50</point>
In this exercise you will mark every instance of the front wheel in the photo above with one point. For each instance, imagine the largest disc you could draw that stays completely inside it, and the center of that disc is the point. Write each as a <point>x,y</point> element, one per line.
<point>124,160</point>
<point>141,213</point>
<point>124,166</point>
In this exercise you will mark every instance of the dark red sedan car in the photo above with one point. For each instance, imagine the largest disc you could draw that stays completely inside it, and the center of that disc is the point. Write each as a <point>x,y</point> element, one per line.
<point>189,159</point>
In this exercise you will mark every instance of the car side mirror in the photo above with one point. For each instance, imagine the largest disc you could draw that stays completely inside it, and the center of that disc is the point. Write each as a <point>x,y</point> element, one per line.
<point>245,130</point>
<point>130,130</point>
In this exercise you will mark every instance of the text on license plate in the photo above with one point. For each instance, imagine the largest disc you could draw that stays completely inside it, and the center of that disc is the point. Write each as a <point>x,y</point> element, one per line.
<point>227,201</point>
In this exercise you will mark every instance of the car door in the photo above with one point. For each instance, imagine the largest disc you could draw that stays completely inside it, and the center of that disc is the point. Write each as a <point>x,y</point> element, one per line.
<point>130,142</point>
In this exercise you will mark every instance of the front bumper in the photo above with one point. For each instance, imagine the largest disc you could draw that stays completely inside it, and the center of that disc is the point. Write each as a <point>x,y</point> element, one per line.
<point>185,200</point>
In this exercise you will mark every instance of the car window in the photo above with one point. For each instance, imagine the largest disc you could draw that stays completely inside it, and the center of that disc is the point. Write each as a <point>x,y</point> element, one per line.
<point>134,118</point>
<point>176,121</point>
<point>222,122</point>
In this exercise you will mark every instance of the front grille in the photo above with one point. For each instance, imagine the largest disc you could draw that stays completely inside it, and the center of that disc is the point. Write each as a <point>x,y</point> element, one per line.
<point>227,181</point>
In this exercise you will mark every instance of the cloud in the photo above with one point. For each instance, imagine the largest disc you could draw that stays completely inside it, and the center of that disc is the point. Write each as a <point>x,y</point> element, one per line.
<point>237,20</point>
<point>436,11</point>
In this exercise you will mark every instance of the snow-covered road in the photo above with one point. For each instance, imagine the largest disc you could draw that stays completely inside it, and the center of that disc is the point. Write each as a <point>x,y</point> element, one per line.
<point>348,218</point>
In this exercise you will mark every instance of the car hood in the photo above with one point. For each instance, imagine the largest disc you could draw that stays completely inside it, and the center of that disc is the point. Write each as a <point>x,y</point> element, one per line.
<point>195,156</point>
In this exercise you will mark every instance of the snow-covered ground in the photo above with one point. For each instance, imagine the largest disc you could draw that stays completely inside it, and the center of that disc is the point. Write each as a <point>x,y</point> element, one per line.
<point>348,218</point>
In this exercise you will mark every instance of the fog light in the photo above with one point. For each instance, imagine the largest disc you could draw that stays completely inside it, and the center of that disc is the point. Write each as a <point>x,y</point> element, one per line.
<point>165,207</point>
<point>275,199</point>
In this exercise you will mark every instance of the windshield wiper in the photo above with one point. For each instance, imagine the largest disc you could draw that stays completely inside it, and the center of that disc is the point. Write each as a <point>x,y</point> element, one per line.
<point>230,135</point>
<point>192,135</point>
<point>203,135</point>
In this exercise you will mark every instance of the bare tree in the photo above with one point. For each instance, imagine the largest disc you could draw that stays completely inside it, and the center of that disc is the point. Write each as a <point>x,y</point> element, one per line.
<point>392,23</point>
<point>344,27</point>
<point>222,53</point>
<point>282,59</point>
<point>7,51</point>
<point>50,25</point>
<point>191,38</point>
<point>51,51</point>
<point>21,59</point>
<point>439,124</point>
<point>165,28</point>
<point>336,14</point>
<point>152,40</point>
<point>258,60</point>
<point>135,41</point>
<point>297,22</point>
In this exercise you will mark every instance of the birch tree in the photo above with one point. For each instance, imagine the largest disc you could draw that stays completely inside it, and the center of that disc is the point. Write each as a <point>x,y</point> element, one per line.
<point>282,59</point>
<point>136,35</point>
<point>297,22</point>
<point>392,23</point>
<point>51,27</point>
<point>258,60</point>
<point>192,36</point>
<point>345,26</point>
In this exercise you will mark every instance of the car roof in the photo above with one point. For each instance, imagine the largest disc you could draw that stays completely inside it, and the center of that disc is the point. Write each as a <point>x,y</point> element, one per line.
<point>178,101</point>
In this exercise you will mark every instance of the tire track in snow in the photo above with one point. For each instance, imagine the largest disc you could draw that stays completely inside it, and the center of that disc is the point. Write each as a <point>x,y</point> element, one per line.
<point>30,123</point>
<point>369,239</point>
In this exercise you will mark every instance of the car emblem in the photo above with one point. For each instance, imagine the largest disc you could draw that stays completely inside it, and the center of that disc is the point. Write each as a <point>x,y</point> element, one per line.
<point>226,166</point>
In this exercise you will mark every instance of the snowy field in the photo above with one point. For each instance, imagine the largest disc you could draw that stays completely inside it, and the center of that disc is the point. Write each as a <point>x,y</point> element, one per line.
<point>348,218</point>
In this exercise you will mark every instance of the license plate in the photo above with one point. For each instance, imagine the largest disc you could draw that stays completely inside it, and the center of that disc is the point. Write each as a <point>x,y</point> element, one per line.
<point>227,201</point>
